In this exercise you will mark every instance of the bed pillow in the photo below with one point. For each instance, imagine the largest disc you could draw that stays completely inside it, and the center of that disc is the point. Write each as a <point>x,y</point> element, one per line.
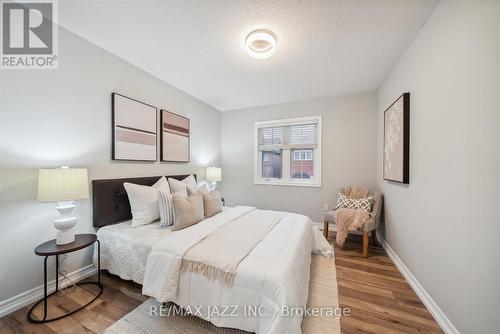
<point>185,187</point>
<point>144,201</point>
<point>166,208</point>
<point>212,203</point>
<point>162,185</point>
<point>344,201</point>
<point>202,188</point>
<point>188,210</point>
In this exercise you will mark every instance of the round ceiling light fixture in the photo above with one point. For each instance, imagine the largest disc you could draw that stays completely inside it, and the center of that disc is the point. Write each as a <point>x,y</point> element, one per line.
<point>260,44</point>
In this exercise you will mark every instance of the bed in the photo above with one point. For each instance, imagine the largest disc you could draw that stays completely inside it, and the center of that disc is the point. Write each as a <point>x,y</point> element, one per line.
<point>275,274</point>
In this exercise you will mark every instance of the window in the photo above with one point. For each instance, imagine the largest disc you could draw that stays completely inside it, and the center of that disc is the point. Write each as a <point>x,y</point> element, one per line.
<point>272,164</point>
<point>302,165</point>
<point>288,152</point>
<point>302,154</point>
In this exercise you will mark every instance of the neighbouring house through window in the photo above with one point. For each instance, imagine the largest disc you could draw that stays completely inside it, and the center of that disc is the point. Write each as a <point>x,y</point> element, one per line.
<point>288,152</point>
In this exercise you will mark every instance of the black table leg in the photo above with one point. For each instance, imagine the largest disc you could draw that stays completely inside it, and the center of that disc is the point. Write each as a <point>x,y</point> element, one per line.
<point>45,288</point>
<point>46,294</point>
<point>57,273</point>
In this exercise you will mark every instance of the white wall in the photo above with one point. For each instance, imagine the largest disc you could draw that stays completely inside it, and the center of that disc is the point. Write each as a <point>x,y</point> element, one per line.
<point>63,117</point>
<point>445,225</point>
<point>349,153</point>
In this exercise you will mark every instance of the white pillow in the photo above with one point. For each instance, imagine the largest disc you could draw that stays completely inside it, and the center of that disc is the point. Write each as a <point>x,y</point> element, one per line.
<point>162,185</point>
<point>144,201</point>
<point>186,187</point>
<point>166,207</point>
<point>203,188</point>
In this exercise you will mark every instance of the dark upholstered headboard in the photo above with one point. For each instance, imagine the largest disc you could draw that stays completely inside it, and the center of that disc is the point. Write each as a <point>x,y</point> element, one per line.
<point>110,201</point>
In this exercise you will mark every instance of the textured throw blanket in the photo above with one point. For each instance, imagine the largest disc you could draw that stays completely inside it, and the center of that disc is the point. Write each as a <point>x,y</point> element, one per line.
<point>351,219</point>
<point>218,256</point>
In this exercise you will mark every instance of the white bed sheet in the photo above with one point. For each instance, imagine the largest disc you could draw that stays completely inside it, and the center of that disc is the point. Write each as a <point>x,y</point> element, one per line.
<point>274,274</point>
<point>125,249</point>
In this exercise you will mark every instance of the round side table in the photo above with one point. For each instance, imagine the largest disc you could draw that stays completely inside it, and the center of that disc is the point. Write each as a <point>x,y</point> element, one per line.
<point>50,248</point>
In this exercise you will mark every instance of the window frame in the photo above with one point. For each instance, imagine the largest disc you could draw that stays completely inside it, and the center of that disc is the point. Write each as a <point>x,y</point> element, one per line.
<point>286,179</point>
<point>305,151</point>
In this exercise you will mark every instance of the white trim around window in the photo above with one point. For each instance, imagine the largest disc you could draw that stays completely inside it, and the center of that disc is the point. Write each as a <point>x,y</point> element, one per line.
<point>285,145</point>
<point>304,154</point>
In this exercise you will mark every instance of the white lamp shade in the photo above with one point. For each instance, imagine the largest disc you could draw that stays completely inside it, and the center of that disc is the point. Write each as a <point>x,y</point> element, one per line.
<point>214,174</point>
<point>62,184</point>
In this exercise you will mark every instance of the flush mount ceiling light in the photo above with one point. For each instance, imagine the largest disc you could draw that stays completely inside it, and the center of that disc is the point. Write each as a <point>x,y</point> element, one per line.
<point>260,44</point>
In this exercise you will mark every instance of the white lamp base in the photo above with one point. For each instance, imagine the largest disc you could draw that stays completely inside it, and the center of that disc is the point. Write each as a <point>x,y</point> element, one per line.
<point>65,224</point>
<point>65,237</point>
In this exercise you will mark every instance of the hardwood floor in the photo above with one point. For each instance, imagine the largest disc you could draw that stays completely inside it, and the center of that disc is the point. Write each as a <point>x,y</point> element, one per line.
<point>379,297</point>
<point>380,300</point>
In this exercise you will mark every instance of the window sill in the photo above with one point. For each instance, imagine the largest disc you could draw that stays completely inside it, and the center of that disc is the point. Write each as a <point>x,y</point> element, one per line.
<point>287,184</point>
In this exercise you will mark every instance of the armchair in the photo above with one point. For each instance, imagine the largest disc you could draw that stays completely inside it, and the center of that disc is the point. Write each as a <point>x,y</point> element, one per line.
<point>368,228</point>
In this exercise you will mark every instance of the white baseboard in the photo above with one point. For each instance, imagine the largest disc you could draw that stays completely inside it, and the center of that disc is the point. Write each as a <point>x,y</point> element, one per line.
<point>441,318</point>
<point>21,300</point>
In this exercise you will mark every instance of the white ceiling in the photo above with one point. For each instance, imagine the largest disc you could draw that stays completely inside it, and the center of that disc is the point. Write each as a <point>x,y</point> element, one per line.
<point>325,48</point>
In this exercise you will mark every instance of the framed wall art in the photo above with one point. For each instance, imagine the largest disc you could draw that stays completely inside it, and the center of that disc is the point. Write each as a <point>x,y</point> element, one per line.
<point>397,140</point>
<point>134,129</point>
<point>174,141</point>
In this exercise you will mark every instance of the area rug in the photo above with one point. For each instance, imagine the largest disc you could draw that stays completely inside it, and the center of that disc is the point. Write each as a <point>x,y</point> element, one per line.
<point>322,293</point>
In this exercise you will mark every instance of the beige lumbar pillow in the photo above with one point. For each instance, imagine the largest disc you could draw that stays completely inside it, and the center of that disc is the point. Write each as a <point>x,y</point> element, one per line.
<point>212,203</point>
<point>188,210</point>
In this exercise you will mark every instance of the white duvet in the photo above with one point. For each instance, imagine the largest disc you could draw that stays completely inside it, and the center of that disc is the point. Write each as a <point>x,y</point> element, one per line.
<point>275,274</point>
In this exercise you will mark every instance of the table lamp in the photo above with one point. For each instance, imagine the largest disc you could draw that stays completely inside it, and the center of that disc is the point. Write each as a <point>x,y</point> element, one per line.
<point>214,175</point>
<point>63,185</point>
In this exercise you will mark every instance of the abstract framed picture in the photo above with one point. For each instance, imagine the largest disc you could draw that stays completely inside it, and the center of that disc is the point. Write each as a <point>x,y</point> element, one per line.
<point>174,141</point>
<point>397,140</point>
<point>134,129</point>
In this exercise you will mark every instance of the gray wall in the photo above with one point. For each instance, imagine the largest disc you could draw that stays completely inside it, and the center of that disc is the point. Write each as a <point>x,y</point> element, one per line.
<point>349,153</point>
<point>445,225</point>
<point>63,117</point>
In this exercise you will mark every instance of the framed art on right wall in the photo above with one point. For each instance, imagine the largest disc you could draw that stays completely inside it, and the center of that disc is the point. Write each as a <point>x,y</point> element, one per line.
<point>174,141</point>
<point>397,140</point>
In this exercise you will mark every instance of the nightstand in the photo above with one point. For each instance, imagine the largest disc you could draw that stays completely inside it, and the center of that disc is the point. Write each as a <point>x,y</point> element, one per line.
<point>50,248</point>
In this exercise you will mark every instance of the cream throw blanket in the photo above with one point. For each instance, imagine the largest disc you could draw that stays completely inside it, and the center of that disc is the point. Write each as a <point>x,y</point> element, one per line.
<point>218,255</point>
<point>351,219</point>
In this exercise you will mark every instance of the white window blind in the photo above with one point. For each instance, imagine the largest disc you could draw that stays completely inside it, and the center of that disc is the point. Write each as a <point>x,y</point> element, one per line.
<point>286,137</point>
